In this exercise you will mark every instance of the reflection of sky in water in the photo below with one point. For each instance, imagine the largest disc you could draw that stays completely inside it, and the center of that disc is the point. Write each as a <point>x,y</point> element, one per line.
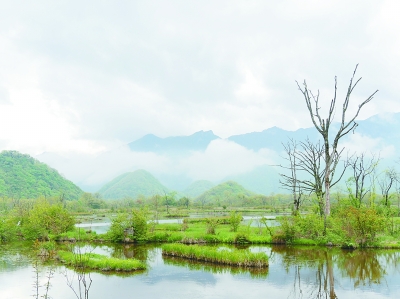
<point>167,280</point>
<point>103,227</point>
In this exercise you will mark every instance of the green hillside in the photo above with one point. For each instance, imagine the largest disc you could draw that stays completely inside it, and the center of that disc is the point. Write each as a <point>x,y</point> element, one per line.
<point>22,176</point>
<point>132,184</point>
<point>227,192</point>
<point>261,180</point>
<point>197,188</point>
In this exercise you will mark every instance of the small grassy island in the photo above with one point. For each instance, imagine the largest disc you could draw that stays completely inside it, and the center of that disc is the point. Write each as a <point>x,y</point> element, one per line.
<point>232,257</point>
<point>94,261</point>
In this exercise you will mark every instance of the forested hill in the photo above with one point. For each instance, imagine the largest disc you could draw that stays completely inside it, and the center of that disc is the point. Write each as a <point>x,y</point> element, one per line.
<point>133,184</point>
<point>226,192</point>
<point>22,176</point>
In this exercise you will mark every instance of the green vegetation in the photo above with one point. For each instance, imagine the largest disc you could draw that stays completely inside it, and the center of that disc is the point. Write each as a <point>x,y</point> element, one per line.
<point>129,227</point>
<point>197,188</point>
<point>216,269</point>
<point>21,176</point>
<point>132,184</point>
<point>30,220</point>
<point>235,257</point>
<point>45,219</point>
<point>225,193</point>
<point>234,220</point>
<point>100,262</point>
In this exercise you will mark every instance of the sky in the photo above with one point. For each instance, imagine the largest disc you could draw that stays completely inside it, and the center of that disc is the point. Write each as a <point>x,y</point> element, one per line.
<point>90,76</point>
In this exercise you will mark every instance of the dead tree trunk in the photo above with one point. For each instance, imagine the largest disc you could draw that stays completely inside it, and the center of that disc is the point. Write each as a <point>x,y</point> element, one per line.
<point>323,126</point>
<point>291,182</point>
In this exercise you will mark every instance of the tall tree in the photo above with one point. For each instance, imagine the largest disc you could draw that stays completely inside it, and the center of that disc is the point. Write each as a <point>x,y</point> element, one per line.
<point>323,126</point>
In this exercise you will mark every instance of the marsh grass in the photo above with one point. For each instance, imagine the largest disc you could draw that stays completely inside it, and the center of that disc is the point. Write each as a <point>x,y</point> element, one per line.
<point>100,262</point>
<point>232,257</point>
<point>216,269</point>
<point>197,233</point>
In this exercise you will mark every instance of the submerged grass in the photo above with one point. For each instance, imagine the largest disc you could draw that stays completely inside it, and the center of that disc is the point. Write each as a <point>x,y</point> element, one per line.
<point>233,257</point>
<point>100,262</point>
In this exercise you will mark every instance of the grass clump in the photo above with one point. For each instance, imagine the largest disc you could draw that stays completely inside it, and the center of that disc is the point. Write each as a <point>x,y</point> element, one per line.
<point>233,257</point>
<point>94,261</point>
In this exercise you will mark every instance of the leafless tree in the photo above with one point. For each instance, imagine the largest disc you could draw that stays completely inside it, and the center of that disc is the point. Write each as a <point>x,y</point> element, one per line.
<point>323,126</point>
<point>290,182</point>
<point>362,168</point>
<point>386,181</point>
<point>309,169</point>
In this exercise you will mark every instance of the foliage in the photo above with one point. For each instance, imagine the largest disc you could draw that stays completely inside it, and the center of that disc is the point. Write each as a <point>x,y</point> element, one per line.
<point>234,220</point>
<point>236,257</point>
<point>287,230</point>
<point>131,226</point>
<point>8,228</point>
<point>45,219</point>
<point>225,193</point>
<point>197,188</point>
<point>132,184</point>
<point>21,176</point>
<point>358,227</point>
<point>242,238</point>
<point>211,225</point>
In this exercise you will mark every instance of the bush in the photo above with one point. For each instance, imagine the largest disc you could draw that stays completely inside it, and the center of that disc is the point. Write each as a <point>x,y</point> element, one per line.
<point>241,238</point>
<point>287,231</point>
<point>358,226</point>
<point>45,219</point>
<point>211,225</point>
<point>310,226</point>
<point>132,226</point>
<point>8,228</point>
<point>234,220</point>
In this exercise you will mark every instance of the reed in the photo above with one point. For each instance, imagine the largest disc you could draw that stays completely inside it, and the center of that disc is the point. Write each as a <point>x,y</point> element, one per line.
<point>100,262</point>
<point>232,257</point>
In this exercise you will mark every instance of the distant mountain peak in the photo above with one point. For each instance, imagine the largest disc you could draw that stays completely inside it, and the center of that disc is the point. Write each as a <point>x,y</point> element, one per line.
<point>198,141</point>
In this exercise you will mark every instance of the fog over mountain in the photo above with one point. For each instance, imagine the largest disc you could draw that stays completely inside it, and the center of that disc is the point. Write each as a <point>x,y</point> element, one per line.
<point>250,159</point>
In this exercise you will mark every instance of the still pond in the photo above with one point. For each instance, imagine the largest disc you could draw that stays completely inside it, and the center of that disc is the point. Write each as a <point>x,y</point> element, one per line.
<point>294,272</point>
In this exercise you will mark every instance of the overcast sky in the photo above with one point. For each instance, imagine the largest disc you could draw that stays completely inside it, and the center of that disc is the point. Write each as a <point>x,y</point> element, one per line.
<point>87,76</point>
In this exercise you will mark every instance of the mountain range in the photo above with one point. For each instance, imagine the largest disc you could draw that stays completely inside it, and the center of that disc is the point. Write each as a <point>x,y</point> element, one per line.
<point>249,159</point>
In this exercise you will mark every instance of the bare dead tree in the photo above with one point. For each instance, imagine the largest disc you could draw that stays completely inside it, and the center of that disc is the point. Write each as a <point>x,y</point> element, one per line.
<point>312,162</point>
<point>362,168</point>
<point>307,168</point>
<point>323,126</point>
<point>290,182</point>
<point>386,181</point>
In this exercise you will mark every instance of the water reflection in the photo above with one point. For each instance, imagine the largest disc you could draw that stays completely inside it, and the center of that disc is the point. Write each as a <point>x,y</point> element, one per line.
<point>215,269</point>
<point>294,272</point>
<point>361,267</point>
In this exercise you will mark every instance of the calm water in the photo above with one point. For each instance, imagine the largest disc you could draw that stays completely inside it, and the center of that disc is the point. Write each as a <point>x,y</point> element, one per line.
<point>102,225</point>
<point>294,272</point>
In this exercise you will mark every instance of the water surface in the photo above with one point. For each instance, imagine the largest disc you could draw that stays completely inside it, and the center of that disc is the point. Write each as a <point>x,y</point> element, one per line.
<point>294,272</point>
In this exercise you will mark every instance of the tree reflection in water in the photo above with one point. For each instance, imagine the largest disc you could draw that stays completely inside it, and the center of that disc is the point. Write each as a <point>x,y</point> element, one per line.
<point>363,267</point>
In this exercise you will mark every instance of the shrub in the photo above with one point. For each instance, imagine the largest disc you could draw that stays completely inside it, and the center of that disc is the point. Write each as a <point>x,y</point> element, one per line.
<point>8,228</point>
<point>211,225</point>
<point>242,238</point>
<point>45,219</point>
<point>358,225</point>
<point>310,226</point>
<point>234,220</point>
<point>132,226</point>
<point>287,230</point>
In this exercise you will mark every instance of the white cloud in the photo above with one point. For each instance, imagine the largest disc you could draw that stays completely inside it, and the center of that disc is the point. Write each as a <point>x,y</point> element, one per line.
<point>91,78</point>
<point>357,143</point>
